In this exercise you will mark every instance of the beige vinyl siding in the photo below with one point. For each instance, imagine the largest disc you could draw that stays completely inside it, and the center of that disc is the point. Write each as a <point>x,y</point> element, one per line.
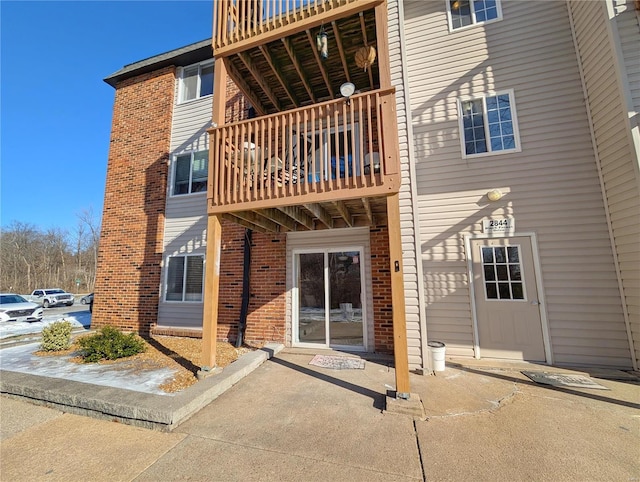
<point>551,187</point>
<point>329,239</point>
<point>185,215</point>
<point>628,23</point>
<point>409,256</point>
<point>609,111</point>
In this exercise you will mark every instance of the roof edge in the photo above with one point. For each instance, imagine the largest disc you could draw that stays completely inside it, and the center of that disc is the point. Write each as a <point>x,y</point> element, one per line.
<point>189,54</point>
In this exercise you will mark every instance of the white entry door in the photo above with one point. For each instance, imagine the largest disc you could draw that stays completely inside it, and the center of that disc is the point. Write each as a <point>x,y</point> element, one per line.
<point>506,296</point>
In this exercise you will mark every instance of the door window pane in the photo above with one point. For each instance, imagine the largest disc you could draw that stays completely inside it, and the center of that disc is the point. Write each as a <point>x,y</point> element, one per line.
<point>345,295</point>
<point>311,312</point>
<point>508,274</point>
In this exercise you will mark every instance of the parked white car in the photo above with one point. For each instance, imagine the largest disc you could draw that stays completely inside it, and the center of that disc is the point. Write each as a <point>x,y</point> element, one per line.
<point>15,308</point>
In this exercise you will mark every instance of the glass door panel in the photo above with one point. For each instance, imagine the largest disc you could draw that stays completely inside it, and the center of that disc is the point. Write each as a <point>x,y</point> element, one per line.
<point>311,302</point>
<point>345,289</point>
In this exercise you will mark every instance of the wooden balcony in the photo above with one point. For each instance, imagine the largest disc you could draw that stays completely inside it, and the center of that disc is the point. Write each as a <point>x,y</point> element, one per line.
<point>337,159</point>
<point>239,24</point>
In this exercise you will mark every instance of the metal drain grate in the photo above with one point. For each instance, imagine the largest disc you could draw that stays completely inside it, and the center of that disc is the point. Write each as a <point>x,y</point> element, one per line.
<point>563,380</point>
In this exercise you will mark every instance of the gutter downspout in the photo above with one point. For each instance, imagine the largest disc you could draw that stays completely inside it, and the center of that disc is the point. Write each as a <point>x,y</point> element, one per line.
<point>246,288</point>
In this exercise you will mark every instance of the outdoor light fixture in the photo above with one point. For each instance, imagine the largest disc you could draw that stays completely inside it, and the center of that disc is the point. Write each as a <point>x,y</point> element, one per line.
<point>495,195</point>
<point>347,89</point>
<point>322,43</point>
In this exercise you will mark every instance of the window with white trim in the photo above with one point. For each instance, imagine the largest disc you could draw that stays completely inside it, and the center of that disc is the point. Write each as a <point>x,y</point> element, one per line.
<point>463,13</point>
<point>185,278</point>
<point>488,124</point>
<point>190,172</point>
<point>196,81</point>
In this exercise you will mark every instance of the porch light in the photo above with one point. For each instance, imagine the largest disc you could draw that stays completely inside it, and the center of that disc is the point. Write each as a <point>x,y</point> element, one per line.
<point>495,195</point>
<point>347,89</point>
<point>322,43</point>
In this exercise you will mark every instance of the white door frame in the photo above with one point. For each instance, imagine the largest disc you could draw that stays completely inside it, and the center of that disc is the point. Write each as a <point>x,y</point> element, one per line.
<point>538,274</point>
<point>295,298</point>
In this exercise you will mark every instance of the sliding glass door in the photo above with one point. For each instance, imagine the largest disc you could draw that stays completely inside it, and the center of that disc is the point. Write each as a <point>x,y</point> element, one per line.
<point>328,299</point>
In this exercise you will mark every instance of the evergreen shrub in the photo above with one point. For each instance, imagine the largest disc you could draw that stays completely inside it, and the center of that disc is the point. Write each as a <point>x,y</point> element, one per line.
<point>110,344</point>
<point>56,336</point>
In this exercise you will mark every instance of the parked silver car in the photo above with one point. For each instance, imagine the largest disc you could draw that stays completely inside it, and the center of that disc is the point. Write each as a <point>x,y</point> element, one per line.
<point>15,308</point>
<point>85,300</point>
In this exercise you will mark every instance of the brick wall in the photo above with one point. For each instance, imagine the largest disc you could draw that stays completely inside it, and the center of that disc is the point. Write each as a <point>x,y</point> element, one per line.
<point>126,290</point>
<point>381,281</point>
<point>266,316</point>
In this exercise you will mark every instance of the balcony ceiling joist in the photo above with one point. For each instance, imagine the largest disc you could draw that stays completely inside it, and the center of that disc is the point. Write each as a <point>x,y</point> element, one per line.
<point>343,57</point>
<point>367,209</point>
<point>280,218</point>
<point>344,212</point>
<point>245,89</point>
<point>319,212</point>
<point>276,71</point>
<point>366,42</point>
<point>257,76</point>
<point>298,215</point>
<point>257,220</point>
<point>287,72</point>
<point>296,64</point>
<point>234,219</point>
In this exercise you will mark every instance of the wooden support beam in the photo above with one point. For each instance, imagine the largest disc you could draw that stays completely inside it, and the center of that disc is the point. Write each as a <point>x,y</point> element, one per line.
<point>321,66</point>
<point>214,234</point>
<point>279,217</point>
<point>320,213</point>
<point>242,222</point>
<point>343,57</point>
<point>279,75</point>
<point>248,63</point>
<point>400,349</point>
<point>296,64</point>
<point>246,90</point>
<point>363,26</point>
<point>344,212</point>
<point>253,218</point>
<point>367,209</point>
<point>211,293</point>
<point>298,215</point>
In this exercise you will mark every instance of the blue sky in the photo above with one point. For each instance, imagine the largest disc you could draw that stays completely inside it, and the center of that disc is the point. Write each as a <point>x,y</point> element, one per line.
<point>55,108</point>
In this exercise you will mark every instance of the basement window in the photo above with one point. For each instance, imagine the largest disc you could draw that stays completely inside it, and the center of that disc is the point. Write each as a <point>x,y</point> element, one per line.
<point>196,81</point>
<point>185,278</point>
<point>465,13</point>
<point>190,173</point>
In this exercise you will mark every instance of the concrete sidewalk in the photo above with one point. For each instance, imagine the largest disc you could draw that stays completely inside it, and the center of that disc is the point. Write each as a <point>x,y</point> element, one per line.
<point>289,420</point>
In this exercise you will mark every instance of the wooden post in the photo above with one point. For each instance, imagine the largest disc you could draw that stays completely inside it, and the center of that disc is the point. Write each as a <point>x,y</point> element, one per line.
<point>211,293</point>
<point>400,350</point>
<point>214,234</point>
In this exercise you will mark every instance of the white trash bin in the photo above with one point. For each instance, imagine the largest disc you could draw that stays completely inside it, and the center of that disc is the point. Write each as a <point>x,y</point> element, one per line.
<point>437,351</point>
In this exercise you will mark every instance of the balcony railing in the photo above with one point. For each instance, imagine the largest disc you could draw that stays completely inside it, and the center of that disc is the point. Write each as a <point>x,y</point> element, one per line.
<point>330,151</point>
<point>238,20</point>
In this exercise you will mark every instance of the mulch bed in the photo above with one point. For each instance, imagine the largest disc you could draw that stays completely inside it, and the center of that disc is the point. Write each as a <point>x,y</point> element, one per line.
<point>179,353</point>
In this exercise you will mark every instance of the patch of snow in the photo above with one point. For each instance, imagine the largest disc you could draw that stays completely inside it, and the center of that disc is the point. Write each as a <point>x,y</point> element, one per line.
<point>79,319</point>
<point>21,359</point>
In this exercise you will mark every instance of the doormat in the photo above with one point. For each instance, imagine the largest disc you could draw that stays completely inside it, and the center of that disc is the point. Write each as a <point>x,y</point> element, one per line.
<point>563,380</point>
<point>337,362</point>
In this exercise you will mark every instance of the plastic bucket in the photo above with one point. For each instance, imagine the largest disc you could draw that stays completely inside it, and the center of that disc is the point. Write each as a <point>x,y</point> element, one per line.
<point>437,351</point>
